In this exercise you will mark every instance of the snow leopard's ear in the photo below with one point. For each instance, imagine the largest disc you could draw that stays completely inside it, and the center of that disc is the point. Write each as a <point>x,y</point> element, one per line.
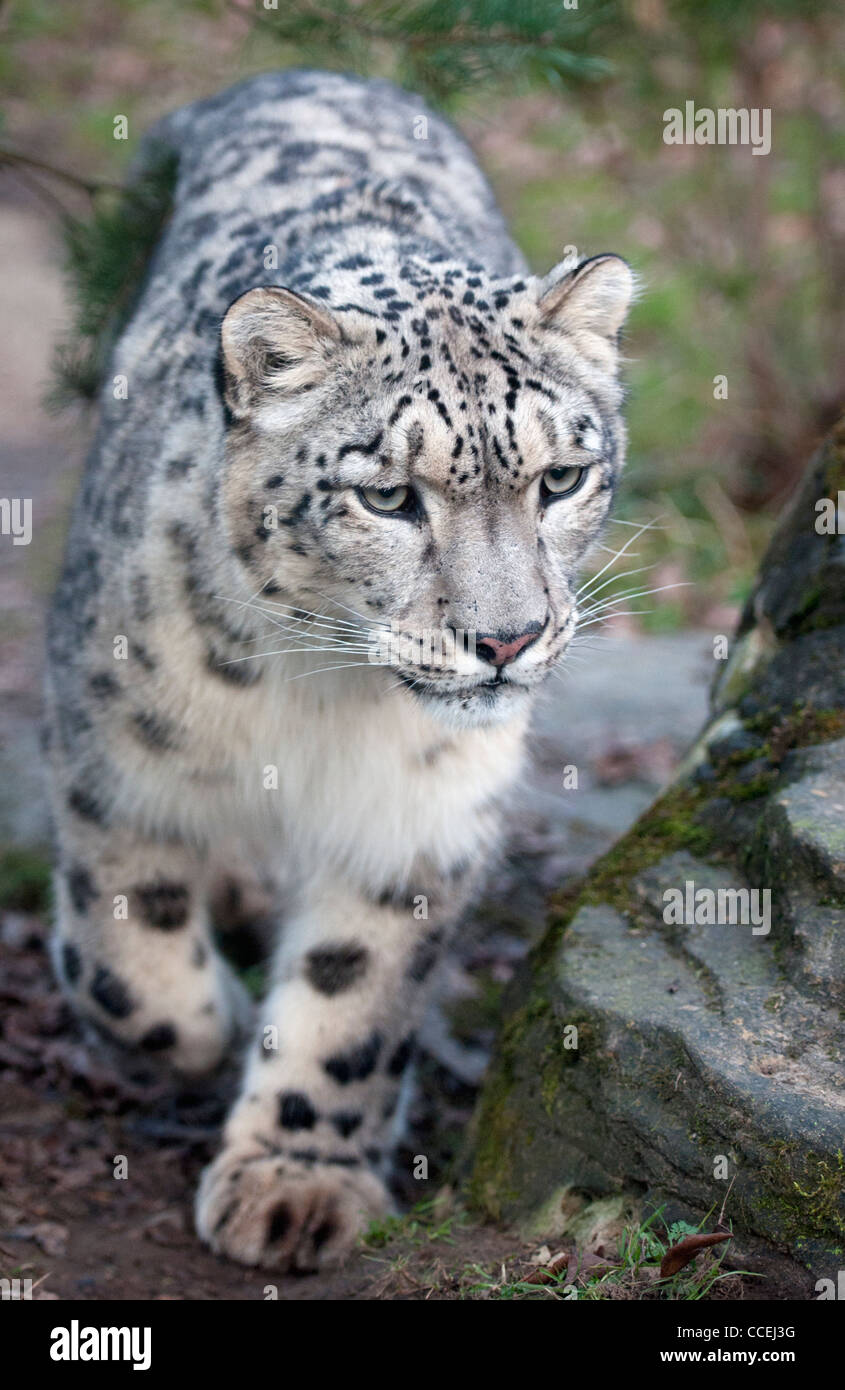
<point>274,341</point>
<point>593,297</point>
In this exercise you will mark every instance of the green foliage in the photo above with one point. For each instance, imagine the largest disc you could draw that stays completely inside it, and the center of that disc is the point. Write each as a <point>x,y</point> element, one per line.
<point>442,47</point>
<point>634,1275</point>
<point>424,1223</point>
<point>254,977</point>
<point>24,881</point>
<point>105,260</point>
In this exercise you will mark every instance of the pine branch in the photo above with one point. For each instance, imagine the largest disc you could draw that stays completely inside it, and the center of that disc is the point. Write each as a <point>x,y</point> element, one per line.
<point>106,256</point>
<point>15,160</point>
<point>35,186</point>
<point>444,45</point>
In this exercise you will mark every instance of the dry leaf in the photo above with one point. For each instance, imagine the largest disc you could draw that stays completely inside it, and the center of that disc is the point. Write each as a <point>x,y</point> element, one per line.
<point>680,1255</point>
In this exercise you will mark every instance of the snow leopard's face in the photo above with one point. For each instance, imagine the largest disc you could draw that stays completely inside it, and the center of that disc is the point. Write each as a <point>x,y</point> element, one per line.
<point>437,473</point>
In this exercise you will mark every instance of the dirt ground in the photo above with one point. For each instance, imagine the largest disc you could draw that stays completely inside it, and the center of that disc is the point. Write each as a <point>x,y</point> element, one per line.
<point>97,1174</point>
<point>68,1124</point>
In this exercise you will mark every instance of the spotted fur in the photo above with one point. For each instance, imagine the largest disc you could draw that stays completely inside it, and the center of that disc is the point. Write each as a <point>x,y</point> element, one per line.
<point>334,308</point>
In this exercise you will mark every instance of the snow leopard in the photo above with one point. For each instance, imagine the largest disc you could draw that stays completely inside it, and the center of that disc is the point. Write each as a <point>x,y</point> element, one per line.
<point>351,456</point>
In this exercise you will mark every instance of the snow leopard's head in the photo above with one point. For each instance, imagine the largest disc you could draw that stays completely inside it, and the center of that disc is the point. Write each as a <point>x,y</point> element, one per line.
<point>426,466</point>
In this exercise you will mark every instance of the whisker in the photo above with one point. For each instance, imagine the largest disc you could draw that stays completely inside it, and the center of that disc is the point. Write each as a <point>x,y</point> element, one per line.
<point>636,593</point>
<point>632,613</point>
<point>329,639</point>
<point>328,598</point>
<point>345,640</point>
<point>620,552</point>
<point>626,574</point>
<point>320,641</point>
<point>396,684</point>
<point>345,666</point>
<point>608,550</point>
<point>296,651</point>
<point>564,675</point>
<point>292,614</point>
<point>321,619</point>
<point>309,620</point>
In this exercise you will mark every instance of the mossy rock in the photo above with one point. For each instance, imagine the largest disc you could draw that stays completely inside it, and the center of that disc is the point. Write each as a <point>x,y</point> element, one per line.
<point>705,1047</point>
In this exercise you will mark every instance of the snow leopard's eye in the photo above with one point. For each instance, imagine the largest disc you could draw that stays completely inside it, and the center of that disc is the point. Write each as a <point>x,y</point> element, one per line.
<point>561,482</point>
<point>392,500</point>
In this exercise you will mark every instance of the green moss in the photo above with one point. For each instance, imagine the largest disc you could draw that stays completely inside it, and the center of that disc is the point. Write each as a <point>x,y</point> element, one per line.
<point>499,1128</point>
<point>750,790</point>
<point>668,826</point>
<point>550,1089</point>
<point>800,621</point>
<point>802,727</point>
<point>831,898</point>
<point>24,881</point>
<point>806,1192</point>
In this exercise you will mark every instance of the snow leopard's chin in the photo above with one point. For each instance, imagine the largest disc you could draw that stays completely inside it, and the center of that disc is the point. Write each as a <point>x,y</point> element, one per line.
<point>483,705</point>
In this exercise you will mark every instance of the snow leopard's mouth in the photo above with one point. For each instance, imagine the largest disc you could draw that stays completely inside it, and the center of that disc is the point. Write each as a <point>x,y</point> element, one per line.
<point>486,692</point>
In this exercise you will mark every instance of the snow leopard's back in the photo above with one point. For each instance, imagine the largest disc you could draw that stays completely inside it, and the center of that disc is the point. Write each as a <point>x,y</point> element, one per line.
<point>268,165</point>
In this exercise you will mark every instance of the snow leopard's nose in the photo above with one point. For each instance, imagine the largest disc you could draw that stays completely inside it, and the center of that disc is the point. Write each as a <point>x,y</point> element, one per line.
<point>502,649</point>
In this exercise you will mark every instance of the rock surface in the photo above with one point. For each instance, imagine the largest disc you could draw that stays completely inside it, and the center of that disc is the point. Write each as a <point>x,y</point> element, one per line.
<point>654,1044</point>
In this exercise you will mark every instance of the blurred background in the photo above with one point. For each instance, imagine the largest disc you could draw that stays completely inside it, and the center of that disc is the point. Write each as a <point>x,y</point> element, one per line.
<point>742,256</point>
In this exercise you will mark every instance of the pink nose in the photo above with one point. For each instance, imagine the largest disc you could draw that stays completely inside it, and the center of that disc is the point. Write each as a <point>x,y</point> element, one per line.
<point>500,653</point>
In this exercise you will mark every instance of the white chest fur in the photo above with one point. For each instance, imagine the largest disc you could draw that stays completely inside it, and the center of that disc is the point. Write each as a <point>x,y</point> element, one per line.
<point>332,768</point>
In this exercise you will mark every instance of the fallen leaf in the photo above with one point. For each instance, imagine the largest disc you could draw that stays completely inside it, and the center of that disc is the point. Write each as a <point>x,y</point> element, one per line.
<point>678,1256</point>
<point>549,1269</point>
<point>592,1264</point>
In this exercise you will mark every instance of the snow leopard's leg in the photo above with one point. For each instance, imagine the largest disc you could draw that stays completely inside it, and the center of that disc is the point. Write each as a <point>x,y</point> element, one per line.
<point>132,947</point>
<point>304,1148</point>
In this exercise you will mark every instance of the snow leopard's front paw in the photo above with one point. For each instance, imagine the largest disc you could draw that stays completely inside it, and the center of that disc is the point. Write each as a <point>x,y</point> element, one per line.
<point>283,1214</point>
